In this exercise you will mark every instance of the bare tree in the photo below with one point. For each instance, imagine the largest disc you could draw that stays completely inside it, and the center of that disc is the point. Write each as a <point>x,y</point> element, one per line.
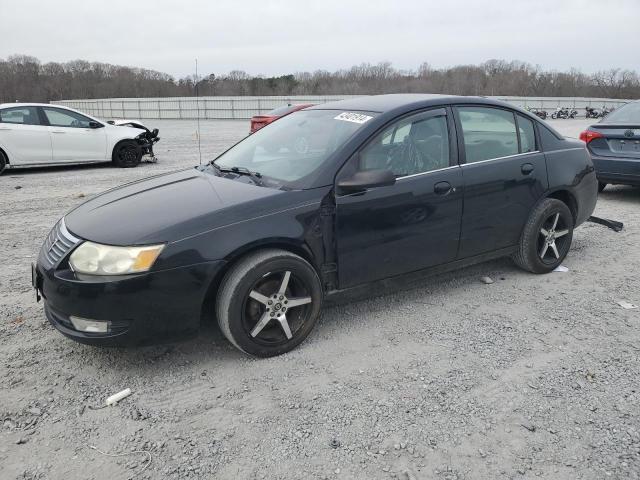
<point>24,78</point>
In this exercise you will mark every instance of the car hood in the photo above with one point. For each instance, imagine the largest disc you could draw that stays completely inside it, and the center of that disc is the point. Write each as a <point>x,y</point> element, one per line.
<point>170,207</point>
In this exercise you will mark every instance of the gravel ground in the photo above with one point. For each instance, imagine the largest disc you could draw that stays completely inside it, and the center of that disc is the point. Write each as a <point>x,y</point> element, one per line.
<point>445,378</point>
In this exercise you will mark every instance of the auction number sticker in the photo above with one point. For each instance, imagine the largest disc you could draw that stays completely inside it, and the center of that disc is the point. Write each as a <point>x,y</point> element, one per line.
<point>353,117</point>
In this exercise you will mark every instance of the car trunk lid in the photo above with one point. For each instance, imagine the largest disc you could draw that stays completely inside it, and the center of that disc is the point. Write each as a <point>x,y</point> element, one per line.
<point>622,141</point>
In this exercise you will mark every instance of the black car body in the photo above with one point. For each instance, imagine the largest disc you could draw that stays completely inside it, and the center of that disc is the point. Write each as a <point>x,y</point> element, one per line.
<point>345,224</point>
<point>614,145</point>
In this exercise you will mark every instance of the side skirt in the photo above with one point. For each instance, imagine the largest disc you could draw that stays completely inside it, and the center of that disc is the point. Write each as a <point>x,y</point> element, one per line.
<point>397,282</point>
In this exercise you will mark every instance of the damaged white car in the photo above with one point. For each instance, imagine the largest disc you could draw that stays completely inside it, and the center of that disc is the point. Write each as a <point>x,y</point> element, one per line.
<point>34,134</point>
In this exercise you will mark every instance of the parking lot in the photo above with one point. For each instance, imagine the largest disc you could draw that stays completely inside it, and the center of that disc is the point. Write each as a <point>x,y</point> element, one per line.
<point>445,377</point>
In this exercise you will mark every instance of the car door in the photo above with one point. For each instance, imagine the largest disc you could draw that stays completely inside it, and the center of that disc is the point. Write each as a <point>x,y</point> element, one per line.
<point>504,173</point>
<point>72,138</point>
<point>412,224</point>
<point>23,136</point>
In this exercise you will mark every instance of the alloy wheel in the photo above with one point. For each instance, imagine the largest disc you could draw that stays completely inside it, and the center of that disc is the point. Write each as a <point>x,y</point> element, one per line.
<point>552,241</point>
<point>276,308</point>
<point>128,155</point>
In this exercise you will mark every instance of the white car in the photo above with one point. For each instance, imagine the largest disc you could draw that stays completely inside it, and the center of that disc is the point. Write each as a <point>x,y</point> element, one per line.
<point>35,134</point>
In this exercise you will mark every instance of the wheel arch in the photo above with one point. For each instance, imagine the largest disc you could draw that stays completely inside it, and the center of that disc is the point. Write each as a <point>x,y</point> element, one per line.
<point>118,143</point>
<point>566,197</point>
<point>293,246</point>
<point>6,155</point>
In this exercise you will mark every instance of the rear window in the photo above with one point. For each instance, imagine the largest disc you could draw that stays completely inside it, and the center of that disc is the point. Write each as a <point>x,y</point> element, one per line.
<point>629,113</point>
<point>277,112</point>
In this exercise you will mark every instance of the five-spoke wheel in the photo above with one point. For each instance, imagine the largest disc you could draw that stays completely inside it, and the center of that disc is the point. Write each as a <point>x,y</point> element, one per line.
<point>552,238</point>
<point>546,237</point>
<point>269,302</point>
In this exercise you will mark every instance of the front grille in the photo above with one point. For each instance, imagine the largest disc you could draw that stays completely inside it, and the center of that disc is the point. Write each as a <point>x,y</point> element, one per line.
<point>57,244</point>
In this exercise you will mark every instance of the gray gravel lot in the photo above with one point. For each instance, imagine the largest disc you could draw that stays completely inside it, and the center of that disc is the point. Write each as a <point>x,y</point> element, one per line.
<point>447,377</point>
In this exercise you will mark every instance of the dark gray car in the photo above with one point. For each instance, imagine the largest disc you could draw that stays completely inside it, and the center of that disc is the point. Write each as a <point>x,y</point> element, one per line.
<point>614,144</point>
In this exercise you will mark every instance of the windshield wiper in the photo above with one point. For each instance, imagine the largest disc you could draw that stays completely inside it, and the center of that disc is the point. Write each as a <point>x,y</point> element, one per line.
<point>255,176</point>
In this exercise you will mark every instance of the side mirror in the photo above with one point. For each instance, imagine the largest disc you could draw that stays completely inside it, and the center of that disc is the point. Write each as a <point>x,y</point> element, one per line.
<point>365,179</point>
<point>93,124</point>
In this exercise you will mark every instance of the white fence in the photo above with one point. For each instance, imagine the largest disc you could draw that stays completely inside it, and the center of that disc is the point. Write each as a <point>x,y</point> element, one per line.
<point>246,107</point>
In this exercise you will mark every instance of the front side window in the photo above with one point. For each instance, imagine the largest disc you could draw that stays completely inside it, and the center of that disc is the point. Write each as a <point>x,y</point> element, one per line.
<point>295,146</point>
<point>416,144</point>
<point>66,118</point>
<point>20,115</point>
<point>488,133</point>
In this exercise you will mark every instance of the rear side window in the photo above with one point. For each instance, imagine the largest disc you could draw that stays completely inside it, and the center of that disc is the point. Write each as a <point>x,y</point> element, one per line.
<point>527,135</point>
<point>20,115</point>
<point>488,133</point>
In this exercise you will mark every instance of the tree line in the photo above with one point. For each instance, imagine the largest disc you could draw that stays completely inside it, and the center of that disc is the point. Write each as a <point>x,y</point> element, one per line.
<point>25,78</point>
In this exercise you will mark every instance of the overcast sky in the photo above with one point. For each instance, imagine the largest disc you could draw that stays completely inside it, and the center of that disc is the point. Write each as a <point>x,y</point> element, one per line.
<point>276,37</point>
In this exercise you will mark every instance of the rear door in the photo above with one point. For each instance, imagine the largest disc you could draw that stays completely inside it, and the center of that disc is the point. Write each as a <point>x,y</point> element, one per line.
<point>413,224</point>
<point>71,137</point>
<point>26,140</point>
<point>504,173</point>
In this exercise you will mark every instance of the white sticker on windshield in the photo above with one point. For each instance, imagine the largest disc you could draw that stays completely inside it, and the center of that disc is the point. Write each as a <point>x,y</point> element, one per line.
<point>353,117</point>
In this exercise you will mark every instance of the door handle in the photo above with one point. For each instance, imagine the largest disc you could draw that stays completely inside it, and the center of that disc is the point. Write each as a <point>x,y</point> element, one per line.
<point>58,131</point>
<point>526,168</point>
<point>5,128</point>
<point>442,188</point>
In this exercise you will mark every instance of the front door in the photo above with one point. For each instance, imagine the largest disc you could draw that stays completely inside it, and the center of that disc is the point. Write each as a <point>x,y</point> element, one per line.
<point>26,140</point>
<point>504,176</point>
<point>413,224</point>
<point>72,139</point>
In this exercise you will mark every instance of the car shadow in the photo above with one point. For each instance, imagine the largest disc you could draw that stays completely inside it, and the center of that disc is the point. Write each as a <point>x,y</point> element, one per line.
<point>210,344</point>
<point>18,172</point>
<point>623,193</point>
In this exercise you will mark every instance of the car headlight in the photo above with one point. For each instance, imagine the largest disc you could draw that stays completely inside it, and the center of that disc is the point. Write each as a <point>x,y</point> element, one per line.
<point>95,259</point>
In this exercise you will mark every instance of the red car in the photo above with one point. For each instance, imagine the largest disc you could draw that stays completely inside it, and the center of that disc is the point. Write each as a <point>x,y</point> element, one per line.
<point>259,121</point>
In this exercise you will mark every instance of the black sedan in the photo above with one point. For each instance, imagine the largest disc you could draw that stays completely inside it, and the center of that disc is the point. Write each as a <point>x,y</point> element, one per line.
<point>614,144</point>
<point>259,237</point>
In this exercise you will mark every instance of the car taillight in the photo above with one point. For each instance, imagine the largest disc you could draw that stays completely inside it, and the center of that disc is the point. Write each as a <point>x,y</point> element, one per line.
<point>589,135</point>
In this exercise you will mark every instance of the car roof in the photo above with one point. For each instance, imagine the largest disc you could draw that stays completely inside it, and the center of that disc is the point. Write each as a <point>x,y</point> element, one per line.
<point>406,101</point>
<point>20,104</point>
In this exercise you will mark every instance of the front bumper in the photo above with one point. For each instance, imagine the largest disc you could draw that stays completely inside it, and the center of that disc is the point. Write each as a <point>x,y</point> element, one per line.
<point>625,171</point>
<point>143,308</point>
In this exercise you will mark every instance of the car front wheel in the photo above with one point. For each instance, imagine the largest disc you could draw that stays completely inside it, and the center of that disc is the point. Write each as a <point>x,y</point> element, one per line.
<point>269,302</point>
<point>546,238</point>
<point>127,154</point>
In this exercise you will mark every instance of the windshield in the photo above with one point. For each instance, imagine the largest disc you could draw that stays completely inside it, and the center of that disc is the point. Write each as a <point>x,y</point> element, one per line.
<point>629,113</point>
<point>296,145</point>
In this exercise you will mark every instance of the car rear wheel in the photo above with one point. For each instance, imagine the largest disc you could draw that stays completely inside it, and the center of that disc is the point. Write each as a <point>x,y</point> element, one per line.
<point>127,154</point>
<point>269,302</point>
<point>546,238</point>
<point>3,162</point>
<point>601,186</point>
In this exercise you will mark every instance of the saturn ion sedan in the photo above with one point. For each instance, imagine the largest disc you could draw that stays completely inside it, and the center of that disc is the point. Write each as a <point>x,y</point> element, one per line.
<point>263,234</point>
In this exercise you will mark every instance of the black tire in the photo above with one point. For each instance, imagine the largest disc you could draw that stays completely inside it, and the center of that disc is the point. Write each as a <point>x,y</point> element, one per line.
<point>554,116</point>
<point>534,252</point>
<point>3,162</point>
<point>127,154</point>
<point>601,186</point>
<point>250,309</point>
